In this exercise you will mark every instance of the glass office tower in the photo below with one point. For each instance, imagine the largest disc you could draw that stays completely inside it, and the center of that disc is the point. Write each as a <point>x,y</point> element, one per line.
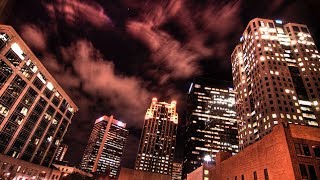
<point>105,147</point>
<point>35,112</point>
<point>211,123</point>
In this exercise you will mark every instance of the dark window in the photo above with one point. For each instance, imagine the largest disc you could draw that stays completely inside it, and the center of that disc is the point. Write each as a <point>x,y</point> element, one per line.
<point>296,28</point>
<point>38,83</point>
<point>266,175</point>
<point>242,177</point>
<point>13,58</point>
<point>306,150</point>
<point>5,73</point>
<point>316,150</point>
<point>304,29</point>
<point>312,172</point>
<point>303,171</point>
<point>255,177</point>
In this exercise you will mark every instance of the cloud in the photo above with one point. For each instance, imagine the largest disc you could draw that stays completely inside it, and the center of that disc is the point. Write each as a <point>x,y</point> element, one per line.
<point>180,59</point>
<point>34,36</point>
<point>127,95</point>
<point>75,11</point>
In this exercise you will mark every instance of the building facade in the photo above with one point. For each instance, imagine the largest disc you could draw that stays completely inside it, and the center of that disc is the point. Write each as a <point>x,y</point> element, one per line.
<point>105,147</point>
<point>133,174</point>
<point>211,123</point>
<point>61,152</point>
<point>290,151</point>
<point>176,171</point>
<point>35,112</point>
<point>12,168</point>
<point>276,75</point>
<point>158,139</point>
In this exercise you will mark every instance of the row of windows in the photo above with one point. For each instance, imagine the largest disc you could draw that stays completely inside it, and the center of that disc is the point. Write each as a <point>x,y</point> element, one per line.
<point>255,176</point>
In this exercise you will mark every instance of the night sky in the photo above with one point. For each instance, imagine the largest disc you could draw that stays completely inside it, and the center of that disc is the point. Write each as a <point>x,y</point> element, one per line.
<point>112,57</point>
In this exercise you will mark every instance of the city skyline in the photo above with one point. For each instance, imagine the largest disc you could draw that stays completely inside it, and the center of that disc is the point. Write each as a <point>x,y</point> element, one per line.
<point>56,37</point>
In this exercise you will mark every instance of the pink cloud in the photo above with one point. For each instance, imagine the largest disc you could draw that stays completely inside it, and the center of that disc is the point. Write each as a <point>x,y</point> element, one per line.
<point>127,95</point>
<point>75,11</point>
<point>181,59</point>
<point>34,36</point>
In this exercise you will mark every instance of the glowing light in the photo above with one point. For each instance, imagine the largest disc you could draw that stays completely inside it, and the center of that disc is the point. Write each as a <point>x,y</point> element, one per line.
<point>278,21</point>
<point>207,158</point>
<point>50,86</point>
<point>16,48</point>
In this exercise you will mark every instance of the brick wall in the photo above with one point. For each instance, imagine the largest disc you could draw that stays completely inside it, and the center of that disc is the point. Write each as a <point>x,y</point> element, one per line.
<point>270,153</point>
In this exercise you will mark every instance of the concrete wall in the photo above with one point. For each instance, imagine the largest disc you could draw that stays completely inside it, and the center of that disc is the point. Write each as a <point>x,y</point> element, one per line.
<point>130,174</point>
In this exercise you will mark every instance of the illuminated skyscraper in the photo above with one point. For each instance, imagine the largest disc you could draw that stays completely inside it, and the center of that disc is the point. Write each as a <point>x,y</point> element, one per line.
<point>61,152</point>
<point>158,139</point>
<point>276,75</point>
<point>35,112</point>
<point>105,147</point>
<point>211,123</point>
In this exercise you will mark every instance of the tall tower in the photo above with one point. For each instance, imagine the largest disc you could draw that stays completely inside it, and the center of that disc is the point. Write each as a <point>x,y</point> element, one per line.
<point>276,75</point>
<point>158,139</point>
<point>211,123</point>
<point>105,147</point>
<point>35,111</point>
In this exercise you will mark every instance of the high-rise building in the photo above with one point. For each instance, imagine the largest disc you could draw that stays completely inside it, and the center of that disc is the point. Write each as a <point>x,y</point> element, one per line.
<point>276,75</point>
<point>61,152</point>
<point>105,147</point>
<point>35,111</point>
<point>211,123</point>
<point>176,171</point>
<point>158,139</point>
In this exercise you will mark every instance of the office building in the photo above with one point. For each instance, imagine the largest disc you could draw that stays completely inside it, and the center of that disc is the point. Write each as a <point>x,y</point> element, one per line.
<point>12,168</point>
<point>35,112</point>
<point>276,75</point>
<point>61,152</point>
<point>67,170</point>
<point>290,151</point>
<point>105,147</point>
<point>211,123</point>
<point>176,171</point>
<point>158,139</point>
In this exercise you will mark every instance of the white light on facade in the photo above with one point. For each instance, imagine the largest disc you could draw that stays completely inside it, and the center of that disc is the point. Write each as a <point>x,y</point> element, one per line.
<point>16,48</point>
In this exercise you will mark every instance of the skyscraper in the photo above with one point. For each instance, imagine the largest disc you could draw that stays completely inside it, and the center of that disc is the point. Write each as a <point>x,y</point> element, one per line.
<point>211,123</point>
<point>35,111</point>
<point>158,139</point>
<point>61,152</point>
<point>276,77</point>
<point>105,147</point>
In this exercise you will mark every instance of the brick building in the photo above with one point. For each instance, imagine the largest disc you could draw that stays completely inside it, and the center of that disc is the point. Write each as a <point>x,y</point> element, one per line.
<point>288,152</point>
